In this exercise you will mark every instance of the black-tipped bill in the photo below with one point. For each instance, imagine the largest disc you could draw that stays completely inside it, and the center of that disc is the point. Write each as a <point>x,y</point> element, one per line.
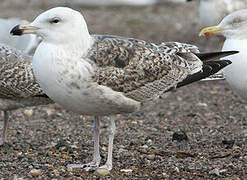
<point>16,31</point>
<point>23,29</point>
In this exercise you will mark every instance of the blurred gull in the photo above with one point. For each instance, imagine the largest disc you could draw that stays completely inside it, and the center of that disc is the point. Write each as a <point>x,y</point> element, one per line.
<point>234,28</point>
<point>107,75</point>
<point>18,86</point>
<point>96,3</point>
<point>26,44</point>
<point>213,11</point>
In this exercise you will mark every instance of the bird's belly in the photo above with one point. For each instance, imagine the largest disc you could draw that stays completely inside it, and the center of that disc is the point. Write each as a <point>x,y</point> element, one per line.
<point>92,99</point>
<point>235,73</point>
<point>237,78</point>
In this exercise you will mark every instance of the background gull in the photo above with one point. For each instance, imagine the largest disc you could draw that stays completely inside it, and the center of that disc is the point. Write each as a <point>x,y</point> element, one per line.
<point>234,28</point>
<point>18,87</point>
<point>213,11</point>
<point>96,3</point>
<point>26,44</point>
<point>106,75</point>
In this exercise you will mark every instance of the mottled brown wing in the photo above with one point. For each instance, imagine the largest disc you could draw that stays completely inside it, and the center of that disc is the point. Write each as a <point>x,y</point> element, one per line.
<point>139,69</point>
<point>16,75</point>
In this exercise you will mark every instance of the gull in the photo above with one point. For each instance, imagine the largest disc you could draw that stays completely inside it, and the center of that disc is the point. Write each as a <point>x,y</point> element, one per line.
<point>103,75</point>
<point>234,28</point>
<point>96,3</point>
<point>26,43</point>
<point>18,86</point>
<point>213,11</point>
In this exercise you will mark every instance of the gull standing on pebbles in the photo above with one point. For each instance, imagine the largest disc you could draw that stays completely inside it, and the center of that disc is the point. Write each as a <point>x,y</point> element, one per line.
<point>234,28</point>
<point>18,86</point>
<point>106,75</point>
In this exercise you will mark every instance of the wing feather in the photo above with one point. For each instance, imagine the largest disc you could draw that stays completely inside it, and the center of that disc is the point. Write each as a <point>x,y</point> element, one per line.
<point>139,69</point>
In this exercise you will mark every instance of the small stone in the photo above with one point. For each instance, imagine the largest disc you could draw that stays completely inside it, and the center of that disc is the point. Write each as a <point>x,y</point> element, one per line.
<point>121,150</point>
<point>215,172</point>
<point>28,112</point>
<point>223,171</point>
<point>144,146</point>
<point>180,136</point>
<point>229,143</point>
<point>50,111</point>
<point>73,146</point>
<point>202,105</point>
<point>56,172</point>
<point>126,170</point>
<point>177,170</point>
<point>70,169</point>
<point>64,156</point>
<point>35,172</point>
<point>102,171</point>
<point>151,156</point>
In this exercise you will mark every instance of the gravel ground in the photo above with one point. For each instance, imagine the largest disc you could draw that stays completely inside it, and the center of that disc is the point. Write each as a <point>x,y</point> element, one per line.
<point>148,144</point>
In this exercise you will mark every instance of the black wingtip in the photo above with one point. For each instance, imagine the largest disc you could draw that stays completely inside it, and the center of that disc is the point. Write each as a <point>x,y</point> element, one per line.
<point>214,55</point>
<point>209,68</point>
<point>16,31</point>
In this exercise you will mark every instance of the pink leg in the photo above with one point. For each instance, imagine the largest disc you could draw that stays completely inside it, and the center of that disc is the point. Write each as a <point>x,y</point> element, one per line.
<point>96,155</point>
<point>112,128</point>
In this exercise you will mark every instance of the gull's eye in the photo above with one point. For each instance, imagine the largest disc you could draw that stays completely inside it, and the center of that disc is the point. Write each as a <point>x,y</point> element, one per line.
<point>55,20</point>
<point>236,21</point>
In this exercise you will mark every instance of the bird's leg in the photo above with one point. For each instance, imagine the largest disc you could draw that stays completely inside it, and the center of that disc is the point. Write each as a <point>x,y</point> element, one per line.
<point>3,140</point>
<point>96,155</point>
<point>112,128</point>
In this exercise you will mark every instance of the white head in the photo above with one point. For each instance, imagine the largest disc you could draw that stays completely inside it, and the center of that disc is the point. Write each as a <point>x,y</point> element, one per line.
<point>232,26</point>
<point>58,25</point>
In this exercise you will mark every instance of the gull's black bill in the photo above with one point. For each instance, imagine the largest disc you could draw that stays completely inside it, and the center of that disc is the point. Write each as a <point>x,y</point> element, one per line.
<point>16,31</point>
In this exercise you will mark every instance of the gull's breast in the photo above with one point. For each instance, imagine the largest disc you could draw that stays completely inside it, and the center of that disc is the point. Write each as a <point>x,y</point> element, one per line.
<point>69,82</point>
<point>236,73</point>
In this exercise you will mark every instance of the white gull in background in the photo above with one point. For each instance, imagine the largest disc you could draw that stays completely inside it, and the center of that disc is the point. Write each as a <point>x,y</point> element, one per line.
<point>234,28</point>
<point>106,75</point>
<point>26,44</point>
<point>97,3</point>
<point>213,11</point>
<point>18,86</point>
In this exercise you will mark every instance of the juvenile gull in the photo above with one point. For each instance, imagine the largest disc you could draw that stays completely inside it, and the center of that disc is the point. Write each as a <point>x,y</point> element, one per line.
<point>213,11</point>
<point>18,86</point>
<point>234,28</point>
<point>106,75</point>
<point>26,43</point>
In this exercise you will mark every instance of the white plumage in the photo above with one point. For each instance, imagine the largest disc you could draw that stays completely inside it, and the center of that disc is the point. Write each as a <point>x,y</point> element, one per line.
<point>234,28</point>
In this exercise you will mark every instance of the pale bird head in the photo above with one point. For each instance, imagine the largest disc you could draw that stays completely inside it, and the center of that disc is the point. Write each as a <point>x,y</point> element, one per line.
<point>233,25</point>
<point>57,25</point>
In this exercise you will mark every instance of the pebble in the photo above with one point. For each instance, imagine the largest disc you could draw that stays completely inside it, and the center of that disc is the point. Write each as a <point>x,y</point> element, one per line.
<point>180,136</point>
<point>144,146</point>
<point>203,105</point>
<point>215,172</point>
<point>28,112</point>
<point>35,172</point>
<point>102,171</point>
<point>177,170</point>
<point>121,150</point>
<point>151,156</point>
<point>73,146</point>
<point>50,111</point>
<point>126,170</point>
